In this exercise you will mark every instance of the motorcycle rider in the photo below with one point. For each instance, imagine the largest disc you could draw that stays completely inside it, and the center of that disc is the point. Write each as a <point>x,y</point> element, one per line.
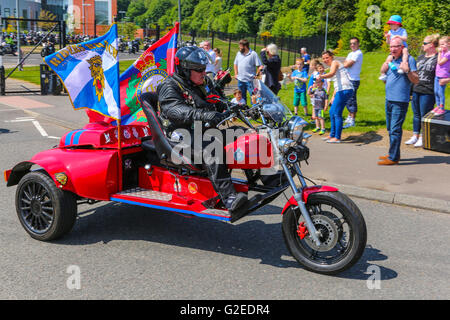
<point>183,100</point>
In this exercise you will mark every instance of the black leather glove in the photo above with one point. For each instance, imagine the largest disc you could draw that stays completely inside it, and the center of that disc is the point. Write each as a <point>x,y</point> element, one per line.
<point>214,117</point>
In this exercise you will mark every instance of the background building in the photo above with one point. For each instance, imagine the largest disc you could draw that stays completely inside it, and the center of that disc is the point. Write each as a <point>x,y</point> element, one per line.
<point>82,16</point>
<point>91,17</point>
<point>27,8</point>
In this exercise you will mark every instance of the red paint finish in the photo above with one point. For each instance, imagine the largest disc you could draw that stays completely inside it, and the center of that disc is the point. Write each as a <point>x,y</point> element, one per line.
<point>249,151</point>
<point>91,174</point>
<point>306,193</point>
<point>302,231</point>
<point>191,187</point>
<point>104,135</point>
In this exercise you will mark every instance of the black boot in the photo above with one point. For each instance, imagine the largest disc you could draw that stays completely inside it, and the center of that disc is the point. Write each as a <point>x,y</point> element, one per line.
<point>274,180</point>
<point>237,205</point>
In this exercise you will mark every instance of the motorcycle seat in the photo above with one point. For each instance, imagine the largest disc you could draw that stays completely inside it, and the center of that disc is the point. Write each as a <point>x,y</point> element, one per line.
<point>160,143</point>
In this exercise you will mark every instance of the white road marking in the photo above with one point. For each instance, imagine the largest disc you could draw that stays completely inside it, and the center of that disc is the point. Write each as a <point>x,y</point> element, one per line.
<point>36,124</point>
<point>20,120</point>
<point>39,128</point>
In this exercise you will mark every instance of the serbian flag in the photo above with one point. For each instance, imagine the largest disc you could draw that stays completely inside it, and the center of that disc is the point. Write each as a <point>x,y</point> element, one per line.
<point>90,72</point>
<point>145,74</point>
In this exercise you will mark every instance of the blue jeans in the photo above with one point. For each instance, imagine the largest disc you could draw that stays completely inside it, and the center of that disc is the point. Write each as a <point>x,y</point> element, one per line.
<point>421,104</point>
<point>245,86</point>
<point>439,92</point>
<point>395,116</point>
<point>339,102</point>
<point>352,104</point>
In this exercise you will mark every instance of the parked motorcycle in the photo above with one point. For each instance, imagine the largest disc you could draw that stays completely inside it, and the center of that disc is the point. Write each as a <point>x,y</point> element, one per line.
<point>131,47</point>
<point>122,46</point>
<point>6,48</point>
<point>48,48</point>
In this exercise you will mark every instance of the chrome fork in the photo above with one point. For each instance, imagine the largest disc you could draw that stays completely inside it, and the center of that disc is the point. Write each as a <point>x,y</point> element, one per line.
<point>297,193</point>
<point>298,197</point>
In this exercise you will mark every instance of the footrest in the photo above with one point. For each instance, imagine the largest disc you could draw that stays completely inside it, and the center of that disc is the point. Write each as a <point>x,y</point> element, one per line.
<point>145,194</point>
<point>169,202</point>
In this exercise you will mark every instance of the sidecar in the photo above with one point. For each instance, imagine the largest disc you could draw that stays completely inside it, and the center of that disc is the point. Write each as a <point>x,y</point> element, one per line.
<point>89,166</point>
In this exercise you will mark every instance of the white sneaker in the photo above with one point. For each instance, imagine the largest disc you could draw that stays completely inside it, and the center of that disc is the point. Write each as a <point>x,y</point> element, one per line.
<point>412,140</point>
<point>419,143</point>
<point>348,120</point>
<point>349,124</point>
<point>383,77</point>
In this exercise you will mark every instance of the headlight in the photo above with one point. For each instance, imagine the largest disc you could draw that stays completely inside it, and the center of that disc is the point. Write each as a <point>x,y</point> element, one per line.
<point>306,136</point>
<point>295,127</point>
<point>284,144</point>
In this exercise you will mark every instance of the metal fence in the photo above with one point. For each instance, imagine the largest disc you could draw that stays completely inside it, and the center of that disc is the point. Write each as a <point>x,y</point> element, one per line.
<point>26,48</point>
<point>289,47</point>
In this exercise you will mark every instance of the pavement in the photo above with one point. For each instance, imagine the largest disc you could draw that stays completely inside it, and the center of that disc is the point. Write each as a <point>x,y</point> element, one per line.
<point>420,180</point>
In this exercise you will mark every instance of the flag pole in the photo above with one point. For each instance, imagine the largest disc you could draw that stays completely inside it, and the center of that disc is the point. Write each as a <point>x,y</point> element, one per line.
<point>119,129</point>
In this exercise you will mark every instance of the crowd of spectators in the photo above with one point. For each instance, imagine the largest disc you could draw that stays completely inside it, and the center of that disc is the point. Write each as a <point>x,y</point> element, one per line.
<point>422,82</point>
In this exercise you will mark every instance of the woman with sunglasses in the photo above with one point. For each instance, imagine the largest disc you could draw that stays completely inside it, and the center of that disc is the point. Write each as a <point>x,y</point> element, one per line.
<point>423,92</point>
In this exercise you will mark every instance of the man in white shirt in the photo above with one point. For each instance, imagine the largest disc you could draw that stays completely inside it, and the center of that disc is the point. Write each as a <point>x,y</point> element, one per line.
<point>246,65</point>
<point>353,63</point>
<point>210,66</point>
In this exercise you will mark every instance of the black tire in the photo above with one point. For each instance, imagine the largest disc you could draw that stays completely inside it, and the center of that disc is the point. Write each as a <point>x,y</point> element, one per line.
<point>45,211</point>
<point>343,220</point>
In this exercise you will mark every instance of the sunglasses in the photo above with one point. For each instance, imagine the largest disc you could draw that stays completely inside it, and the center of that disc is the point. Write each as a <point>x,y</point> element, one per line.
<point>425,43</point>
<point>199,70</point>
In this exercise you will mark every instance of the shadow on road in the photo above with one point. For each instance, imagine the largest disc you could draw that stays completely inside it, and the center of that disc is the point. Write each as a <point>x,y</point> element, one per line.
<point>360,271</point>
<point>252,239</point>
<point>425,160</point>
<point>6,131</point>
<point>363,138</point>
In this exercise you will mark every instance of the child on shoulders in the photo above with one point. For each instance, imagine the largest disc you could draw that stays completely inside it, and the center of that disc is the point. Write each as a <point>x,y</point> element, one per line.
<point>395,23</point>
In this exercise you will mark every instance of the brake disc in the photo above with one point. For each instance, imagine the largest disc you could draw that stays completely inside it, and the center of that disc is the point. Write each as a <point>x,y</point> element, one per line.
<point>329,229</point>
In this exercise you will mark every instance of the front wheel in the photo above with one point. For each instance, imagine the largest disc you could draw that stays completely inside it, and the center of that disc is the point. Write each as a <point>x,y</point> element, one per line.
<point>341,230</point>
<point>45,211</point>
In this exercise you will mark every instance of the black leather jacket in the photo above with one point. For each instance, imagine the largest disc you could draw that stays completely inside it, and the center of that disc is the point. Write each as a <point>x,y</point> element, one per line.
<point>182,103</point>
<point>273,66</point>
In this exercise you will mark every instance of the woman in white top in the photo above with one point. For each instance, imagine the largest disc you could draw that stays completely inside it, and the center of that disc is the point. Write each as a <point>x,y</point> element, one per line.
<point>343,90</point>
<point>218,62</point>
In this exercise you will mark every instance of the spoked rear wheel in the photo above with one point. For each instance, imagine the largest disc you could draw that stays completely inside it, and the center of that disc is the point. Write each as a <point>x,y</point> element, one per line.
<point>341,230</point>
<point>44,211</point>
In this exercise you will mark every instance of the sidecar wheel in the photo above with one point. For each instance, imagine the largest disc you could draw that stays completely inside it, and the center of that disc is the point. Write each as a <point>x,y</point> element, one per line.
<point>342,231</point>
<point>45,211</point>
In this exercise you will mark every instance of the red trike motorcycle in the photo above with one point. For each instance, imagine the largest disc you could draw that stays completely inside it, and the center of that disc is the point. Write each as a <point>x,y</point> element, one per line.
<point>139,165</point>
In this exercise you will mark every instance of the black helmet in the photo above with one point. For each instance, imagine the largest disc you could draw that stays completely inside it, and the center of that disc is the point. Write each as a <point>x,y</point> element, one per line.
<point>191,58</point>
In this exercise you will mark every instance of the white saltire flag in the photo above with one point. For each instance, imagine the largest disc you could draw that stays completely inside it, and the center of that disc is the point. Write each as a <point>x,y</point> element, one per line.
<point>90,73</point>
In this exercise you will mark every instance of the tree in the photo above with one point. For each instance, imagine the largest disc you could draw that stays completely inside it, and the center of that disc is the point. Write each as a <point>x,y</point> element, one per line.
<point>340,13</point>
<point>127,30</point>
<point>136,8</point>
<point>122,5</point>
<point>267,22</point>
<point>368,24</point>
